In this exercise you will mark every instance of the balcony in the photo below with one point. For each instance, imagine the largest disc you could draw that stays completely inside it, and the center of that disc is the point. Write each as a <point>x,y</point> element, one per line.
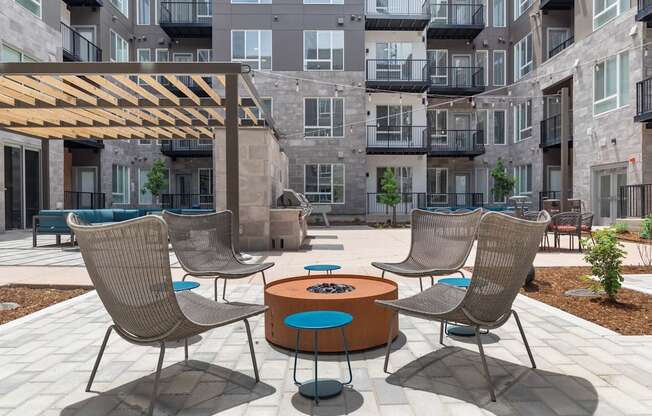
<point>402,140</point>
<point>550,129</point>
<point>83,200</point>
<point>644,101</point>
<point>84,3</point>
<point>558,48</point>
<point>556,4</point>
<point>186,19</point>
<point>84,144</point>
<point>397,15</point>
<point>455,21</point>
<point>644,13</point>
<point>409,75</point>
<point>452,143</point>
<point>635,201</point>
<point>187,201</point>
<point>187,148</point>
<point>448,80</point>
<point>77,48</point>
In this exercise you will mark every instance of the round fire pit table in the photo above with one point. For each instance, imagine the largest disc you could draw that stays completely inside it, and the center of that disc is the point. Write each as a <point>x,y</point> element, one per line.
<point>352,294</point>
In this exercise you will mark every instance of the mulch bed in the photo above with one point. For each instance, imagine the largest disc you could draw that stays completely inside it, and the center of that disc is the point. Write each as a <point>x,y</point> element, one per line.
<point>631,315</point>
<point>633,238</point>
<point>32,299</point>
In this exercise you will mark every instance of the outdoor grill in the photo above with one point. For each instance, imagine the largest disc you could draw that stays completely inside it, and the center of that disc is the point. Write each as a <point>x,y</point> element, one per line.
<point>293,199</point>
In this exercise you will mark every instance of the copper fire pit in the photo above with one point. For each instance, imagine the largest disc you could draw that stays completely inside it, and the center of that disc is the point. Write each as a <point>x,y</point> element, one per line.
<point>370,322</point>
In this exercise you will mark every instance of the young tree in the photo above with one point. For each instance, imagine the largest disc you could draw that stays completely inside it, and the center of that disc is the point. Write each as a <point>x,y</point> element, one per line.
<point>503,184</point>
<point>605,256</point>
<point>389,192</point>
<point>157,180</point>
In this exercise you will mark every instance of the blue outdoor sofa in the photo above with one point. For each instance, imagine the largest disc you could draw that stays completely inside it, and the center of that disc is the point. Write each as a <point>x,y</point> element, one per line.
<point>53,221</point>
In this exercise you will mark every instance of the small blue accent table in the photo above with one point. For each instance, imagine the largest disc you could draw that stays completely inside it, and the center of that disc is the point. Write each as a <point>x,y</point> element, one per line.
<point>328,268</point>
<point>458,330</point>
<point>315,321</point>
<point>183,286</point>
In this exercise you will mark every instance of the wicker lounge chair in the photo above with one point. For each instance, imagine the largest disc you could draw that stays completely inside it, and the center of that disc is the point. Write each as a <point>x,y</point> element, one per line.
<point>204,248</point>
<point>129,265</point>
<point>506,249</point>
<point>440,245</point>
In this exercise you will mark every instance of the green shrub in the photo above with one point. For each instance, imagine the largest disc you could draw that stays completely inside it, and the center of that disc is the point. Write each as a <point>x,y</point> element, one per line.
<point>620,228</point>
<point>605,256</point>
<point>646,227</point>
<point>389,192</point>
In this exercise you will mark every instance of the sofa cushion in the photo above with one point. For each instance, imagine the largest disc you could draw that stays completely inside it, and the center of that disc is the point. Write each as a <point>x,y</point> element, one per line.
<point>53,224</point>
<point>125,214</point>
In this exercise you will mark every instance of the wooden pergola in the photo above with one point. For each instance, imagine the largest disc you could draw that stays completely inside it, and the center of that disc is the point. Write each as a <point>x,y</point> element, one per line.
<point>122,101</point>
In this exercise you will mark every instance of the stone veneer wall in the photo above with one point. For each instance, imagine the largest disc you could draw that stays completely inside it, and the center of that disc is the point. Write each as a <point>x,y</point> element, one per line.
<point>263,176</point>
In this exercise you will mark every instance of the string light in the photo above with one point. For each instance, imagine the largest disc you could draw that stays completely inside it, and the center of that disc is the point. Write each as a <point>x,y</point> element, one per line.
<point>297,87</point>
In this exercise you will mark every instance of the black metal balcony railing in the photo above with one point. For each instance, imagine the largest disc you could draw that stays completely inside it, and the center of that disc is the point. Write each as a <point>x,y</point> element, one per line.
<point>455,142</point>
<point>78,48</point>
<point>188,148</point>
<point>455,200</point>
<point>190,12</point>
<point>551,130</point>
<point>635,200</point>
<point>454,14</point>
<point>558,48</point>
<point>644,12</point>
<point>456,78</point>
<point>397,70</point>
<point>644,100</point>
<point>423,200</point>
<point>396,8</point>
<point>396,139</point>
<point>187,201</point>
<point>83,200</point>
<point>84,3</point>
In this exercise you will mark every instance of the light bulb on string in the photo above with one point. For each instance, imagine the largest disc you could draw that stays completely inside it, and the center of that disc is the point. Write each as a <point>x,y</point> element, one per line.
<point>297,85</point>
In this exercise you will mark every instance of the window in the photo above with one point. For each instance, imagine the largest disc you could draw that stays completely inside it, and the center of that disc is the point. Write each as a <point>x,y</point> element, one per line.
<point>606,10</point>
<point>162,55</point>
<point>143,55</point>
<point>323,117</point>
<point>555,37</point>
<point>394,123</point>
<point>206,190</point>
<point>523,179</point>
<point>144,196</point>
<point>403,179</point>
<point>611,84</point>
<point>251,1</point>
<point>499,126</point>
<point>499,13</point>
<point>522,121</point>
<point>520,6</point>
<point>323,50</point>
<point>482,183</point>
<point>120,184</point>
<point>523,57</point>
<point>438,122</point>
<point>482,62</point>
<point>323,1</point>
<point>122,6</point>
<point>143,12</point>
<point>324,183</point>
<point>204,55</point>
<point>438,58</point>
<point>33,6</point>
<point>9,54</point>
<point>119,48</point>
<point>267,105</point>
<point>481,125</point>
<point>499,68</point>
<point>252,47</point>
<point>437,186</point>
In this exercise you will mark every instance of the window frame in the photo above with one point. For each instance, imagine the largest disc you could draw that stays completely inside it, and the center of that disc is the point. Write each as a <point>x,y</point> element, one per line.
<point>552,29</point>
<point>521,185</point>
<point>211,184</point>
<point>618,95</point>
<point>123,8</point>
<point>331,49</point>
<point>319,165</point>
<point>493,14</point>
<point>529,65</point>
<point>519,10</point>
<point>518,132</point>
<point>259,60</point>
<point>485,75</point>
<point>140,186</point>
<point>111,45</point>
<point>251,2</point>
<point>36,2</point>
<point>323,2</point>
<point>619,10</point>
<point>126,194</point>
<point>19,51</point>
<point>332,125</point>
<point>493,67</point>
<point>149,15</point>
<point>493,122</point>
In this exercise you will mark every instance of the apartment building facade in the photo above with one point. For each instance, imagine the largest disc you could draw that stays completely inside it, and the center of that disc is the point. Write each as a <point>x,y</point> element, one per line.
<point>437,90</point>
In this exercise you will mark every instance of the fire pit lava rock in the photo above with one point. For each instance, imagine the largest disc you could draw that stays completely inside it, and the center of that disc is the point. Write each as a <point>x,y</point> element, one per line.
<point>331,288</point>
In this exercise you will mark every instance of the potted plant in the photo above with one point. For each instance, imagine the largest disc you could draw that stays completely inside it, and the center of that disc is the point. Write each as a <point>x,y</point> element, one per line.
<point>389,192</point>
<point>157,181</point>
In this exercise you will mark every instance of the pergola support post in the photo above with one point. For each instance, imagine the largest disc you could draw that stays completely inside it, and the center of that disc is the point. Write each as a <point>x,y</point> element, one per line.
<point>232,155</point>
<point>565,127</point>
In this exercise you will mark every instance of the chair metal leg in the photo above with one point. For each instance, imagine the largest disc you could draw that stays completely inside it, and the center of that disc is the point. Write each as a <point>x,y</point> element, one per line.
<point>185,349</point>
<point>183,279</point>
<point>421,283</point>
<point>432,281</point>
<point>264,280</point>
<point>484,363</point>
<point>389,341</point>
<point>99,358</point>
<point>527,345</point>
<point>382,275</point>
<point>348,360</point>
<point>315,346</point>
<point>156,379</point>
<point>215,287</point>
<point>251,350</point>
<point>224,291</point>
<point>296,353</point>
<point>441,332</point>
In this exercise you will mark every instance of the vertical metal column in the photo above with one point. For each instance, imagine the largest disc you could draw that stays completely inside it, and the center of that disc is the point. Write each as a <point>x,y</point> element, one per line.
<point>232,156</point>
<point>565,127</point>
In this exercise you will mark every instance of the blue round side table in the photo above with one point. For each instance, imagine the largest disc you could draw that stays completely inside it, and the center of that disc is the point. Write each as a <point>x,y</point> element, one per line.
<point>319,388</point>
<point>328,268</point>
<point>458,330</point>
<point>183,286</point>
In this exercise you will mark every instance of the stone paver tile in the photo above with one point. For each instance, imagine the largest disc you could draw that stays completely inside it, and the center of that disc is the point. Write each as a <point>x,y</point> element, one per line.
<point>388,394</point>
<point>623,401</point>
<point>559,402</point>
<point>630,386</point>
<point>395,410</point>
<point>34,406</point>
<point>22,393</point>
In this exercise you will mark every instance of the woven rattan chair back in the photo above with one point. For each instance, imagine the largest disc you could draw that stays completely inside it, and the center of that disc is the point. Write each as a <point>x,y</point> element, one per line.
<point>201,242</point>
<point>505,252</point>
<point>129,265</point>
<point>443,241</point>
